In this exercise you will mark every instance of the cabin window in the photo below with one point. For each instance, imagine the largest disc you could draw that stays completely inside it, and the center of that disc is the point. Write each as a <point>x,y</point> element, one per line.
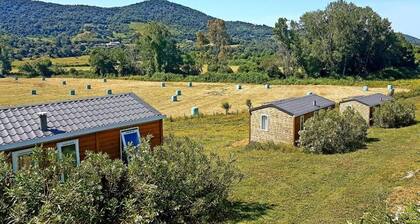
<point>302,122</point>
<point>69,149</point>
<point>129,137</point>
<point>264,122</point>
<point>21,159</point>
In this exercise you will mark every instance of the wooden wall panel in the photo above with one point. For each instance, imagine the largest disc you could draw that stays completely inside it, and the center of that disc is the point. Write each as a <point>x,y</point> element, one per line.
<point>87,143</point>
<point>110,141</point>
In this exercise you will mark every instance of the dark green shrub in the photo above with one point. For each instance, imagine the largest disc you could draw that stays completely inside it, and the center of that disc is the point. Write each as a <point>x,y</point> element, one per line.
<point>394,114</point>
<point>219,67</point>
<point>274,71</point>
<point>174,183</point>
<point>5,181</point>
<point>249,67</point>
<point>191,186</point>
<point>100,191</point>
<point>226,106</point>
<point>330,132</point>
<point>31,188</point>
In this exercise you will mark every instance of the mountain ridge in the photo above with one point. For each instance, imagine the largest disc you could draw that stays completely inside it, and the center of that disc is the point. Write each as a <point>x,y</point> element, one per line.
<point>45,19</point>
<point>37,18</point>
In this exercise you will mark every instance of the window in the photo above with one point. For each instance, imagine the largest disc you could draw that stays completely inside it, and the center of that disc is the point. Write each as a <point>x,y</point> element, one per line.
<point>302,122</point>
<point>21,159</point>
<point>129,137</point>
<point>69,149</point>
<point>264,122</point>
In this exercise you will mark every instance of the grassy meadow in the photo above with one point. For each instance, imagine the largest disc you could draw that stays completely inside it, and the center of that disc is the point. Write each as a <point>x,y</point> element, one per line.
<point>282,185</point>
<point>207,96</point>
<point>289,186</point>
<point>79,63</point>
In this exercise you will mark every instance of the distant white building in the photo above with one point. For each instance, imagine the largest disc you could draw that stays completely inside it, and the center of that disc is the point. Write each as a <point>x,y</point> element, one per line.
<point>113,44</point>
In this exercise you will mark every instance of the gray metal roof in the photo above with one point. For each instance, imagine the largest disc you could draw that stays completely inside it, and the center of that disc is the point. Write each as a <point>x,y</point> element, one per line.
<point>20,126</point>
<point>301,105</point>
<point>370,100</point>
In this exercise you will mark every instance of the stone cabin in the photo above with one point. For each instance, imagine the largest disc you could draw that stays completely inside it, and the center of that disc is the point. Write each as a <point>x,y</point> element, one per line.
<point>365,105</point>
<point>280,121</point>
<point>100,124</point>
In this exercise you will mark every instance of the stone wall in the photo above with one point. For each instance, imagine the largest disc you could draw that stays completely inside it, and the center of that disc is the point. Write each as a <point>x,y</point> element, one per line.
<point>280,126</point>
<point>359,107</point>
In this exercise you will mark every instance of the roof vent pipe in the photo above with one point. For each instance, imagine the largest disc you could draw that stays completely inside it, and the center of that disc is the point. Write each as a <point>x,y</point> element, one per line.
<point>315,103</point>
<point>43,122</point>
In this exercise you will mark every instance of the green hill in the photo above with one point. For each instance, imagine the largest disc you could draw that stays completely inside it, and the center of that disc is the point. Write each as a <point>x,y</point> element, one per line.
<point>412,40</point>
<point>35,18</point>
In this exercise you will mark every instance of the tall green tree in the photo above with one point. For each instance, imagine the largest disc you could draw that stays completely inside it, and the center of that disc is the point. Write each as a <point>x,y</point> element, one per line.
<point>344,39</point>
<point>158,49</point>
<point>5,61</point>
<point>102,62</point>
<point>286,39</point>
<point>218,37</point>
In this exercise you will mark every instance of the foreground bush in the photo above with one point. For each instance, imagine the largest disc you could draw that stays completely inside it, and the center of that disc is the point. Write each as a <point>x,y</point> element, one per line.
<point>394,114</point>
<point>330,132</point>
<point>192,187</point>
<point>175,183</point>
<point>410,215</point>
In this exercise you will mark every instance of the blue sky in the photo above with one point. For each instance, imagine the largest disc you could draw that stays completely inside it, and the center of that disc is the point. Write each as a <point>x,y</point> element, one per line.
<point>404,14</point>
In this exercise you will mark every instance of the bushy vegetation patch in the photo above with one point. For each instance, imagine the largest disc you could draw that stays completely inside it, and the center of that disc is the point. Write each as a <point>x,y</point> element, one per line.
<point>174,183</point>
<point>330,132</point>
<point>405,95</point>
<point>269,146</point>
<point>394,114</point>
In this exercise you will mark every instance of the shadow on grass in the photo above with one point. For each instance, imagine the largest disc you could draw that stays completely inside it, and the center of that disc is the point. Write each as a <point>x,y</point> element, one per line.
<point>244,211</point>
<point>372,140</point>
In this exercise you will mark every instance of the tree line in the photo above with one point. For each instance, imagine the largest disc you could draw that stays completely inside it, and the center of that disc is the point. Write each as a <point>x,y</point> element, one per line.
<point>343,40</point>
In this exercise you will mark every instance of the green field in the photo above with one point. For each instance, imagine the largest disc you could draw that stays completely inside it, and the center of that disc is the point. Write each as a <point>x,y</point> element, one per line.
<point>289,186</point>
<point>79,63</point>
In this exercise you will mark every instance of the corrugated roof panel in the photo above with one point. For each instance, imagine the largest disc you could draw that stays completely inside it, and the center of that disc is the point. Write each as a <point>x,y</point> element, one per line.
<point>302,105</point>
<point>21,124</point>
<point>370,100</point>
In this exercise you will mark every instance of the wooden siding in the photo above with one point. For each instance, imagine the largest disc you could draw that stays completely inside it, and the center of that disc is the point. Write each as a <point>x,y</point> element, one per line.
<point>110,141</point>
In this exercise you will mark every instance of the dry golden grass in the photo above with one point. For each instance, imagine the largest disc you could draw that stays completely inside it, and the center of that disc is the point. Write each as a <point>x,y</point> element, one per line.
<point>207,96</point>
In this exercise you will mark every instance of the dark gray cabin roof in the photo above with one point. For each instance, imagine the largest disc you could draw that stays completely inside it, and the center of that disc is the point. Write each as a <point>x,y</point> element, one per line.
<point>20,126</point>
<point>301,105</point>
<point>370,100</point>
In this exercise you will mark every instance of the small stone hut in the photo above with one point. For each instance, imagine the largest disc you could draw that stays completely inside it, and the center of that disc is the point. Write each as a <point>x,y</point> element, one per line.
<point>365,105</point>
<point>280,121</point>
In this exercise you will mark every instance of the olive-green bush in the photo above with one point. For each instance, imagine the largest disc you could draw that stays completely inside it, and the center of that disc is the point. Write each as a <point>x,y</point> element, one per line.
<point>394,114</point>
<point>174,183</point>
<point>329,132</point>
<point>191,186</point>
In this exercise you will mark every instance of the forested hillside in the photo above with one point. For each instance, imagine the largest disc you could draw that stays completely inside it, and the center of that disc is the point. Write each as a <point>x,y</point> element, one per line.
<point>412,40</point>
<point>35,18</point>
